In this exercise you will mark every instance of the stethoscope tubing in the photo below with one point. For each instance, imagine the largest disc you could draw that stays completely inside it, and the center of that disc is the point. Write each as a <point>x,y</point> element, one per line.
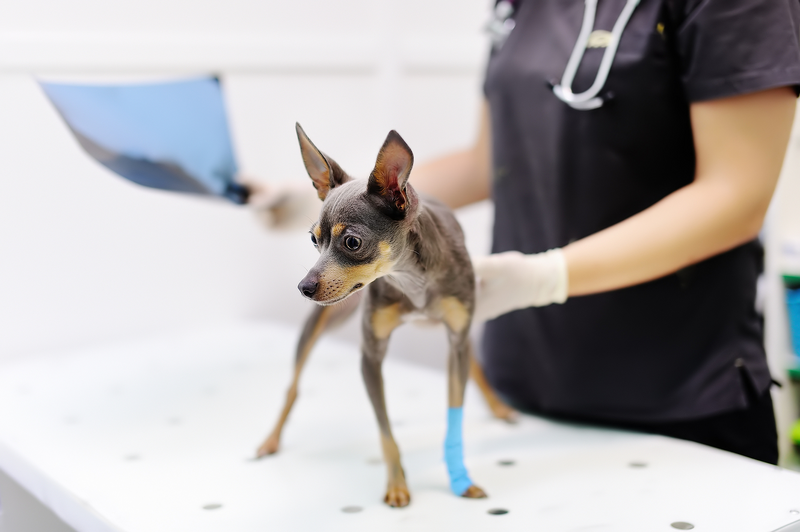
<point>589,99</point>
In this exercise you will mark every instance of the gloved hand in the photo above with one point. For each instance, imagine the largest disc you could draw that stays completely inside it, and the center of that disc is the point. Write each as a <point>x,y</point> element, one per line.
<point>511,280</point>
<point>284,204</point>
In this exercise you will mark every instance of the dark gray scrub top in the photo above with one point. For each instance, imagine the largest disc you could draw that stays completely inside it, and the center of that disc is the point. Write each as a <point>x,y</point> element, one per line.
<point>675,348</point>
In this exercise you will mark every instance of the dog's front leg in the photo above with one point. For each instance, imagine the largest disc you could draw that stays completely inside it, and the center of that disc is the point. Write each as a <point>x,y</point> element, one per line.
<point>378,325</point>
<point>457,320</point>
<point>314,326</point>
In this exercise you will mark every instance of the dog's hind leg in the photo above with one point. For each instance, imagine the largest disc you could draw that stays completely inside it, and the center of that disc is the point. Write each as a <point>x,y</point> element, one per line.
<point>499,409</point>
<point>457,318</point>
<point>378,325</point>
<point>320,320</point>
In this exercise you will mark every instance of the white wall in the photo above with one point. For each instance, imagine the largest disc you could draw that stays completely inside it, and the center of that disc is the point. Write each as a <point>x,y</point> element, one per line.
<point>783,222</point>
<point>86,257</point>
<point>787,216</point>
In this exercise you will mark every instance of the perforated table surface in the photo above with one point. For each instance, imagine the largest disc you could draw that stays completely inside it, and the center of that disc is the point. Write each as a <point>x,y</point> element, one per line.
<point>160,435</point>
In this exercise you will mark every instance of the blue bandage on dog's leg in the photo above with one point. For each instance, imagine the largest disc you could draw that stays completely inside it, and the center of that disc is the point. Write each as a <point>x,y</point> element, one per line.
<point>454,452</point>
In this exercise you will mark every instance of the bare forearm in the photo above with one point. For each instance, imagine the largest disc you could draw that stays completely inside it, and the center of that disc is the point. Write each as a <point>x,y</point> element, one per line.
<point>688,226</point>
<point>462,177</point>
<point>445,179</point>
<point>738,165</point>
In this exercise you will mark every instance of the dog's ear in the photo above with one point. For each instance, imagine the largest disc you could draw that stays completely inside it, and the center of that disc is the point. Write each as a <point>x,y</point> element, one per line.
<point>388,180</point>
<point>323,171</point>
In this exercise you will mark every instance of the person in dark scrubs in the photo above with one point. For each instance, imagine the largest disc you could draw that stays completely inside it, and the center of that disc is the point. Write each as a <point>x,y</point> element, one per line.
<point>622,282</point>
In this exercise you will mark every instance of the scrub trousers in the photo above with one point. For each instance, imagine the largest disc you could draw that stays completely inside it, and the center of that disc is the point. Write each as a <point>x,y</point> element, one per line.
<point>750,432</point>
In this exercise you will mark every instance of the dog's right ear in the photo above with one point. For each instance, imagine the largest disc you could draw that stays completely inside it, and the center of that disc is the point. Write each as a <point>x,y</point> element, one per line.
<point>388,180</point>
<point>323,171</point>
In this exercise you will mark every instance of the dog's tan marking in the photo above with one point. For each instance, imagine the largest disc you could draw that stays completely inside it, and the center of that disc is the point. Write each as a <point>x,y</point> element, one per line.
<point>396,489</point>
<point>317,232</point>
<point>337,281</point>
<point>337,230</point>
<point>454,313</point>
<point>384,320</point>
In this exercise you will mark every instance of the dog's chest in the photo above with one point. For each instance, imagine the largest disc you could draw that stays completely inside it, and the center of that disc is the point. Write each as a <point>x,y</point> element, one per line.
<point>413,284</point>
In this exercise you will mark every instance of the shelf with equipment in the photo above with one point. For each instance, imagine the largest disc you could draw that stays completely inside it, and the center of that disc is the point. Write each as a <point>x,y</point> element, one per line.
<point>791,283</point>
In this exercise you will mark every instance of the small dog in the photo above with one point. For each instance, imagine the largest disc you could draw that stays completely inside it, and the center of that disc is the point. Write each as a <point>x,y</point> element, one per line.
<point>409,252</point>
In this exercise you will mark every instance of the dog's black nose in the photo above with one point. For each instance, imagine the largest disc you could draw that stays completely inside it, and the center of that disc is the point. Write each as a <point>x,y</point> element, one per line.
<point>308,287</point>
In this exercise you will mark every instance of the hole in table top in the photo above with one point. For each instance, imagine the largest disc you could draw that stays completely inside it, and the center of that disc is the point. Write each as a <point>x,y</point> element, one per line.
<point>682,525</point>
<point>506,462</point>
<point>212,506</point>
<point>71,420</point>
<point>174,421</point>
<point>497,511</point>
<point>638,465</point>
<point>352,509</point>
<point>374,461</point>
<point>132,457</point>
<point>794,511</point>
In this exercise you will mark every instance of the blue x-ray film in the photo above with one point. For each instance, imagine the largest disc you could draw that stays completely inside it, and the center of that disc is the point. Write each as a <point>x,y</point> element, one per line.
<point>172,136</point>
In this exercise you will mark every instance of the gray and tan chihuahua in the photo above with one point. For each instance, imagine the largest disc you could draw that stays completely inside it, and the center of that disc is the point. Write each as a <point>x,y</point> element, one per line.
<point>409,254</point>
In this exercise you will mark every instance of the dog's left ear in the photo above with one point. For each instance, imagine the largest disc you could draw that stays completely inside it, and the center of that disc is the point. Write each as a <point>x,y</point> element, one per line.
<point>323,171</point>
<point>388,180</point>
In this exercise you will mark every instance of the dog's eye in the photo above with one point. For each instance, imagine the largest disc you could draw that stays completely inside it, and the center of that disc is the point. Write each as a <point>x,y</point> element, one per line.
<point>313,239</point>
<point>352,243</point>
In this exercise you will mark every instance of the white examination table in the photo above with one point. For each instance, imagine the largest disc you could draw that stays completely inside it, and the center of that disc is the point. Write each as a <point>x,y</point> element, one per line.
<point>159,436</point>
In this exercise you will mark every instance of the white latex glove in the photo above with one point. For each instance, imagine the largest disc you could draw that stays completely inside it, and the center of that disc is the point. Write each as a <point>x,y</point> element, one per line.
<point>284,204</point>
<point>511,280</point>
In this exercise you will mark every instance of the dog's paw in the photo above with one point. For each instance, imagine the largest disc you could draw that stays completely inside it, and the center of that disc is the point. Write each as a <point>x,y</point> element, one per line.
<point>270,446</point>
<point>474,492</point>
<point>397,496</point>
<point>504,412</point>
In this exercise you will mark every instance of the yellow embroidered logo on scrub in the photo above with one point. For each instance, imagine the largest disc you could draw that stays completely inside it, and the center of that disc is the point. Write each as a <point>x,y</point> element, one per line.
<point>599,39</point>
<point>660,28</point>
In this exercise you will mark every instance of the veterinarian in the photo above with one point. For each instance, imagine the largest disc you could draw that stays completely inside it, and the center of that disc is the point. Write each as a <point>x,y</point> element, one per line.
<point>622,285</point>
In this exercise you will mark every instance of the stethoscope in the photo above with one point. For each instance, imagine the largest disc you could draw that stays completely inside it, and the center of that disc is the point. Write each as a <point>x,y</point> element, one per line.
<point>501,25</point>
